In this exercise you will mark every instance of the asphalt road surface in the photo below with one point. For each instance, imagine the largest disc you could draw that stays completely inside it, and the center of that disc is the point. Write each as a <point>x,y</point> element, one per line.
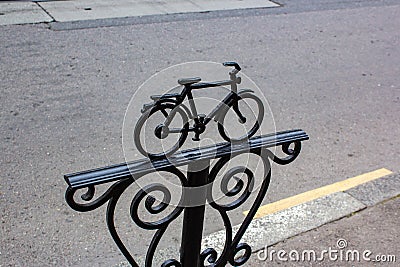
<point>331,69</point>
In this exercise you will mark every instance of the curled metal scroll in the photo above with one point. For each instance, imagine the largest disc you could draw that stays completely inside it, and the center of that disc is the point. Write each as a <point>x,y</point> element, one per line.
<point>232,248</point>
<point>291,153</point>
<point>88,196</point>
<point>113,194</point>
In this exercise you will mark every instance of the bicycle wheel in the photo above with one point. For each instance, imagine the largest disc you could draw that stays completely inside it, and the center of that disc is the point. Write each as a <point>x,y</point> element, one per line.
<point>232,128</point>
<point>153,139</point>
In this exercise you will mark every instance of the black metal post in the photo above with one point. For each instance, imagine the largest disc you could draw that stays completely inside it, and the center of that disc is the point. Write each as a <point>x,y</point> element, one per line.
<point>195,199</point>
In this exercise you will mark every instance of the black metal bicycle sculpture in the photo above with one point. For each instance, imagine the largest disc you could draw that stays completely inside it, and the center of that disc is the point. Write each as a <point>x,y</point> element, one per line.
<point>197,184</point>
<point>169,105</point>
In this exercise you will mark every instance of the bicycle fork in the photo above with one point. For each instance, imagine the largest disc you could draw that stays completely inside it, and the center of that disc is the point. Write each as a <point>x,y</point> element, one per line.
<point>235,107</point>
<point>232,102</point>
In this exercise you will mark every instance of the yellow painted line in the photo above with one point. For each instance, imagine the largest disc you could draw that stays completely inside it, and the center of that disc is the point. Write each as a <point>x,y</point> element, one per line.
<point>319,192</point>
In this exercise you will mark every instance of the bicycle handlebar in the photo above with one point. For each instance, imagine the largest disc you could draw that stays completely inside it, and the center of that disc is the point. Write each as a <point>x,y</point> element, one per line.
<point>232,64</point>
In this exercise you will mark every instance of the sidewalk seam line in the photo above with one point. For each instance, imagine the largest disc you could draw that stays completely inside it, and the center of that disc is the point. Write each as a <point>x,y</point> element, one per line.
<point>45,11</point>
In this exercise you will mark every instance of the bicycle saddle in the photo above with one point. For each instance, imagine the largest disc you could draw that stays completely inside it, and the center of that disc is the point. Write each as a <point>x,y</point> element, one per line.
<point>189,81</point>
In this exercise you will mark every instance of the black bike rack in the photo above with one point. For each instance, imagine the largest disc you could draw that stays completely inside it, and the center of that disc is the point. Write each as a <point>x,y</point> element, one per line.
<point>199,181</point>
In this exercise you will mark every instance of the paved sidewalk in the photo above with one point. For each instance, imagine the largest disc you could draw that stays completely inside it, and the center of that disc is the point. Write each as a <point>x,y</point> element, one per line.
<point>12,12</point>
<point>371,235</point>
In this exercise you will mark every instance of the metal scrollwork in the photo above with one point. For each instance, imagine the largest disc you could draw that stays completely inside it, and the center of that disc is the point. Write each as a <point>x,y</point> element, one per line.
<point>237,261</point>
<point>70,193</point>
<point>160,225</point>
<point>291,153</point>
<point>149,202</point>
<point>238,187</point>
<point>232,246</point>
<point>113,194</point>
<point>236,184</point>
<point>210,255</point>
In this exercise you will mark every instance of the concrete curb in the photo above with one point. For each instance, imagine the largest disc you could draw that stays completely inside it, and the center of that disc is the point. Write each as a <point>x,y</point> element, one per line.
<point>284,224</point>
<point>376,191</point>
<point>293,221</point>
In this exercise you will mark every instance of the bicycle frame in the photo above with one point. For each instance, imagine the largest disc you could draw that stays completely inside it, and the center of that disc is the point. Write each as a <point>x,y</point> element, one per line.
<point>230,99</point>
<point>172,103</point>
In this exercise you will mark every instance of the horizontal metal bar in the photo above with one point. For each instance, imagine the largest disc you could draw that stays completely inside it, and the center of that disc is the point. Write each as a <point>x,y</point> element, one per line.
<point>210,84</point>
<point>144,166</point>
